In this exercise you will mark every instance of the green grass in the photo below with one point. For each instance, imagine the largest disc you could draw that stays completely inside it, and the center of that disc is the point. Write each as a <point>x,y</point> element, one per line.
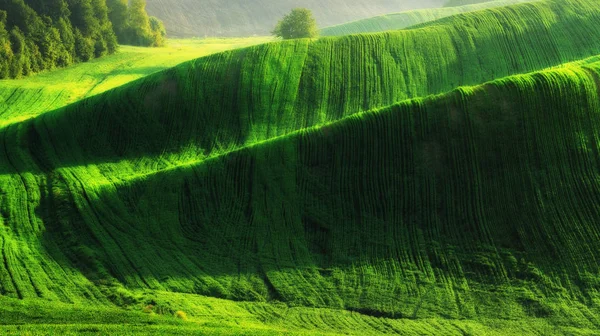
<point>402,20</point>
<point>28,97</point>
<point>486,275</point>
<point>246,96</point>
<point>224,317</point>
<point>355,185</point>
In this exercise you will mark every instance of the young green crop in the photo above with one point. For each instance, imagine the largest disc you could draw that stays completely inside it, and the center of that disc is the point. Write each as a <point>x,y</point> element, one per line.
<point>287,182</point>
<point>25,98</point>
<point>221,102</point>
<point>449,202</point>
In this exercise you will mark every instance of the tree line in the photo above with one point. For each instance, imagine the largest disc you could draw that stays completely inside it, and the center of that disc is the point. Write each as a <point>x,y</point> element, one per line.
<point>36,35</point>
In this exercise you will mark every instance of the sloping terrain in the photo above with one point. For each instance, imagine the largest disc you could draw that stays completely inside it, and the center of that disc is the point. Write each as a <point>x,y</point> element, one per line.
<point>189,18</point>
<point>285,184</point>
<point>402,20</point>
<point>472,195</point>
<point>25,98</point>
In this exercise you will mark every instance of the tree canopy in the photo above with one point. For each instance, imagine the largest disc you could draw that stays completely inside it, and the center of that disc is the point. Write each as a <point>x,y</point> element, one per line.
<point>37,35</point>
<point>133,25</point>
<point>299,23</point>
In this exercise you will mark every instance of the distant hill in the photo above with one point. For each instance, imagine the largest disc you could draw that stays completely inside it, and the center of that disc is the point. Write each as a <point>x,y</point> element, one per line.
<point>187,18</point>
<point>455,3</point>
<point>409,18</point>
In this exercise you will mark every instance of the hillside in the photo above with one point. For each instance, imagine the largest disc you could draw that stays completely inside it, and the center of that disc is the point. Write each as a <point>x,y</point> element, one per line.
<point>402,20</point>
<point>364,184</point>
<point>188,18</point>
<point>477,217</point>
<point>28,97</point>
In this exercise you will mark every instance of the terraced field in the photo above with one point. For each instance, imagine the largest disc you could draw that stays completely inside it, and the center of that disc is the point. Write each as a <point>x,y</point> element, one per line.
<point>434,180</point>
<point>409,18</point>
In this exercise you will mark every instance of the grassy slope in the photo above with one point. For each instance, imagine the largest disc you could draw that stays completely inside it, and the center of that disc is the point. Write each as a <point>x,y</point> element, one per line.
<point>406,19</point>
<point>244,96</point>
<point>25,98</point>
<point>482,229</point>
<point>276,222</point>
<point>224,317</point>
<point>185,18</point>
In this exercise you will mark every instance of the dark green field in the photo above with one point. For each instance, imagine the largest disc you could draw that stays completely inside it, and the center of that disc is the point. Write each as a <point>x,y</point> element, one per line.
<point>442,179</point>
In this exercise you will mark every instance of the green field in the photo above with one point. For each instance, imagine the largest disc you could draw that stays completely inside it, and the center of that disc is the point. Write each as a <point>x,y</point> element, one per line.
<point>436,180</point>
<point>21,99</point>
<point>402,20</point>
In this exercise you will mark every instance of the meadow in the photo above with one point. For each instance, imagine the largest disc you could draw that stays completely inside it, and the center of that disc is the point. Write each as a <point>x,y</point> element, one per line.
<point>24,98</point>
<point>439,179</point>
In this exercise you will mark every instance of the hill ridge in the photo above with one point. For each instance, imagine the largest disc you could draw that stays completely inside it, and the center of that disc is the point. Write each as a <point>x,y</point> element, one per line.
<point>313,89</point>
<point>579,65</point>
<point>401,20</point>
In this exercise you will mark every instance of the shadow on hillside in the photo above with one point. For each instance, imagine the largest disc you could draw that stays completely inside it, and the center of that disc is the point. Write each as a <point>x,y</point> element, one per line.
<point>225,100</point>
<point>339,215</point>
<point>146,118</point>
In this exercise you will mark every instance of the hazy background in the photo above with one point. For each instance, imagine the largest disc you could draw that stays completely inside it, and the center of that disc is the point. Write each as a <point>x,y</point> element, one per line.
<point>189,18</point>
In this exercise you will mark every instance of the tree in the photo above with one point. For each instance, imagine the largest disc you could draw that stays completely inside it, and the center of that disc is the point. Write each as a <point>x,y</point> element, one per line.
<point>84,47</point>
<point>300,23</point>
<point>139,24</point>
<point>20,63</point>
<point>42,34</point>
<point>118,15</point>
<point>159,32</point>
<point>55,9</point>
<point>106,40</point>
<point>67,36</point>
<point>83,17</point>
<point>6,53</point>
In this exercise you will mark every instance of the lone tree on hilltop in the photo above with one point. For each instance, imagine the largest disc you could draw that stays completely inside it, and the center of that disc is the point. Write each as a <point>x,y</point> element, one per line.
<point>299,23</point>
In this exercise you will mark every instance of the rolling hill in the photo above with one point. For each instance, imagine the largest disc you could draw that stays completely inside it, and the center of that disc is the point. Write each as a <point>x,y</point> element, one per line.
<point>189,18</point>
<point>477,238</point>
<point>25,98</point>
<point>440,179</point>
<point>406,19</point>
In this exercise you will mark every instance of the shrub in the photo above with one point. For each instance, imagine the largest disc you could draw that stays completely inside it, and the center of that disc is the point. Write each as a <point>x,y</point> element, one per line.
<point>181,315</point>
<point>159,32</point>
<point>149,309</point>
